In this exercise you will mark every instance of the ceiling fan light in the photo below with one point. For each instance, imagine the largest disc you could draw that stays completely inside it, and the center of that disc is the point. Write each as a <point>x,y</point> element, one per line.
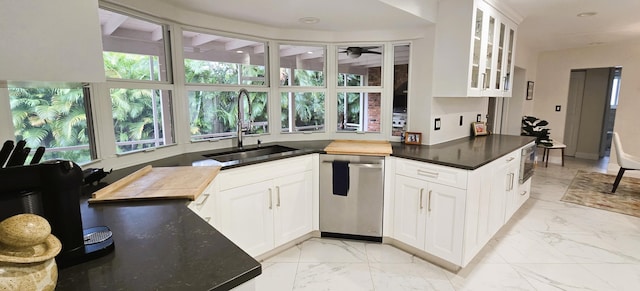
<point>309,20</point>
<point>586,14</point>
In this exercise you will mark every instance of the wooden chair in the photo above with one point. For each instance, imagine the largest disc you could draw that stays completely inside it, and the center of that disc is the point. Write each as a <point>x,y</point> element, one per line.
<point>626,161</point>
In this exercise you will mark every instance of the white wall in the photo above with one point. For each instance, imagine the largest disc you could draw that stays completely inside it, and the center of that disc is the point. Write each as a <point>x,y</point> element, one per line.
<point>552,85</point>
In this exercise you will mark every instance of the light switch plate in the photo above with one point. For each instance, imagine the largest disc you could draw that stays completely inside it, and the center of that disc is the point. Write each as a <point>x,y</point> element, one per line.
<point>558,108</point>
<point>436,124</point>
<point>478,117</point>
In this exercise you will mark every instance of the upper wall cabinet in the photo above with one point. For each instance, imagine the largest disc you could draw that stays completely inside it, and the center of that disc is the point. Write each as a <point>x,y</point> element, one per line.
<point>474,50</point>
<point>53,41</point>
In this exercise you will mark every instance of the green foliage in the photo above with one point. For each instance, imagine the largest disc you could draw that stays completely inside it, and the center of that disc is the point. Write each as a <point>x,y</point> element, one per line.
<point>53,118</point>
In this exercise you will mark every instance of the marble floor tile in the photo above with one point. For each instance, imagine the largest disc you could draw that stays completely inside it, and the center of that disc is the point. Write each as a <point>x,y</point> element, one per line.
<point>277,276</point>
<point>409,276</point>
<point>547,245</point>
<point>333,276</point>
<point>489,277</point>
<point>317,250</point>
<point>561,277</point>
<point>621,276</point>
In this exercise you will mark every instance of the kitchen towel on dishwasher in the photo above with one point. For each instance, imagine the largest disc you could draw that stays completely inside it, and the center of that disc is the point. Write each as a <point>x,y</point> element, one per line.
<point>340,178</point>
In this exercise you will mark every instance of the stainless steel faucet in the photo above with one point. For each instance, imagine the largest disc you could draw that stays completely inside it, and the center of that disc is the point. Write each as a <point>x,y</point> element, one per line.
<point>241,129</point>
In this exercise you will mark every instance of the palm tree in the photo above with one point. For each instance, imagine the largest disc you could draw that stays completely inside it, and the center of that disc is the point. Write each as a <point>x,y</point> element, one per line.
<point>53,118</point>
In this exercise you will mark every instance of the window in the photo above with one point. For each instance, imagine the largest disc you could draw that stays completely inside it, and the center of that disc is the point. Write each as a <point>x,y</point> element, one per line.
<point>359,111</point>
<point>302,111</point>
<point>302,86</point>
<point>359,95</point>
<point>57,118</point>
<point>216,67</point>
<point>138,70</point>
<point>213,114</point>
<point>219,60</point>
<point>401,54</point>
<point>615,88</point>
<point>141,118</point>
<point>301,65</point>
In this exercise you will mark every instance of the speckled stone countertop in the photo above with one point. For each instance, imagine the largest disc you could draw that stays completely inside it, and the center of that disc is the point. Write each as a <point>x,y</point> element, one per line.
<point>163,245</point>
<point>159,245</point>
<point>467,153</point>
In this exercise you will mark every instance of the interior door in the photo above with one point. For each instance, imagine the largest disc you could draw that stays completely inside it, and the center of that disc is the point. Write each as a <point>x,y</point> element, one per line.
<point>574,108</point>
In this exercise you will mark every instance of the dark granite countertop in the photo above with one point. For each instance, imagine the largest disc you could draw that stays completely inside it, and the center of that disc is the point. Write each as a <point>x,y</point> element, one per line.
<point>159,245</point>
<point>163,245</point>
<point>467,153</point>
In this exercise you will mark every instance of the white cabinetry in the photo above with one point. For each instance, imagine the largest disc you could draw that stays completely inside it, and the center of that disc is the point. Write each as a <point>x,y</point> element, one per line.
<point>503,188</point>
<point>474,50</point>
<point>452,213</point>
<point>519,197</point>
<point>429,215</point>
<point>262,206</point>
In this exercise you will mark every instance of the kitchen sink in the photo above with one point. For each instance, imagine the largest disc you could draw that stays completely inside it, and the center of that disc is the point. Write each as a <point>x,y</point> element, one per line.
<point>243,154</point>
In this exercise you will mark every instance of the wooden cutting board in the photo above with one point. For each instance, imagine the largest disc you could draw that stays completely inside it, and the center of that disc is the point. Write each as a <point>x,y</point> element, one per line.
<point>359,147</point>
<point>158,183</point>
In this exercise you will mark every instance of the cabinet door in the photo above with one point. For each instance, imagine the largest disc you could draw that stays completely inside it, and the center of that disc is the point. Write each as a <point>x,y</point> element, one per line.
<point>293,207</point>
<point>478,52</point>
<point>445,222</point>
<point>246,216</point>
<point>501,183</point>
<point>409,211</point>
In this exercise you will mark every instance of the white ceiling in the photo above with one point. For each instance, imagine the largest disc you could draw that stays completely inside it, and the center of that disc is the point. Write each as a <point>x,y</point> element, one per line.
<point>547,24</point>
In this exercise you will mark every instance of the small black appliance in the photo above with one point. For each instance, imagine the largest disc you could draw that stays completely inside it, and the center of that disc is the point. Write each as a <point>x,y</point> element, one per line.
<point>52,190</point>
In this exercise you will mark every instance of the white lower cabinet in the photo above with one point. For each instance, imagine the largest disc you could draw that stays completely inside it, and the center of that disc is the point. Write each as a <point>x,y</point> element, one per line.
<point>263,206</point>
<point>452,213</point>
<point>429,216</point>
<point>261,216</point>
<point>246,216</point>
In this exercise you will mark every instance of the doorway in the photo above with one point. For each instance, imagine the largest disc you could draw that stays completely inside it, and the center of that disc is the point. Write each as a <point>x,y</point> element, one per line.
<point>590,113</point>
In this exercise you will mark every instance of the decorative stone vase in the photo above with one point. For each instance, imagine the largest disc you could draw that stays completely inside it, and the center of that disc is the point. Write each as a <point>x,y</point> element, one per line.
<point>27,254</point>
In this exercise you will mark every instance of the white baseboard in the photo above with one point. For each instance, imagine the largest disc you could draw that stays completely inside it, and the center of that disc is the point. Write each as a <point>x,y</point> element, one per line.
<point>590,156</point>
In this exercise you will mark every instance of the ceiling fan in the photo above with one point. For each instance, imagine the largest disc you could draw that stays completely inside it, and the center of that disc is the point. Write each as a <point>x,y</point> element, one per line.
<point>354,52</point>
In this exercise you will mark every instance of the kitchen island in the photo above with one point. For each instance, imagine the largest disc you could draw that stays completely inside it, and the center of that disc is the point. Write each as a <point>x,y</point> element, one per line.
<point>163,245</point>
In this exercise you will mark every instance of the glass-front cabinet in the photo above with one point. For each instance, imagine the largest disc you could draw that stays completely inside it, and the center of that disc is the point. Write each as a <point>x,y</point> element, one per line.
<point>481,67</point>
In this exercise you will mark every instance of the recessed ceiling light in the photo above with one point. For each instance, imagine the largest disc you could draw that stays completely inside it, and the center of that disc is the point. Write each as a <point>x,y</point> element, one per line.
<point>309,20</point>
<point>586,14</point>
<point>239,52</point>
<point>310,53</point>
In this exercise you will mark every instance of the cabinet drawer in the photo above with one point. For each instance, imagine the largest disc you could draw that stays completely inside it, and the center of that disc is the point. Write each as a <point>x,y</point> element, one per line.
<point>265,171</point>
<point>510,158</point>
<point>432,173</point>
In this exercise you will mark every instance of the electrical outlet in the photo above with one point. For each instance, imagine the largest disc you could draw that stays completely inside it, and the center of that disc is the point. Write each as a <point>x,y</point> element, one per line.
<point>558,108</point>
<point>461,118</point>
<point>436,124</point>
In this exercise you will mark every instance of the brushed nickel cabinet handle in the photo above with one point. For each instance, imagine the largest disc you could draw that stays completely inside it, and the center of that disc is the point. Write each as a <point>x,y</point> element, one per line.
<point>429,205</point>
<point>278,196</point>
<point>270,199</point>
<point>421,192</point>
<point>510,159</point>
<point>523,193</point>
<point>428,173</point>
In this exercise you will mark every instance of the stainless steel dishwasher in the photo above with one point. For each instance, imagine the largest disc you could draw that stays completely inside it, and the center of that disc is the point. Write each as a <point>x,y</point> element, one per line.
<point>351,200</point>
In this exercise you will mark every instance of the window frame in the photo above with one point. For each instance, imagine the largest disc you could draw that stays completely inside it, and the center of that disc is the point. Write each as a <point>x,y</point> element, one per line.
<point>162,85</point>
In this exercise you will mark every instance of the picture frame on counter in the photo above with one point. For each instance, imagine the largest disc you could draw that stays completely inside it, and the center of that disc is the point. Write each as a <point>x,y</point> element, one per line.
<point>479,128</point>
<point>413,137</point>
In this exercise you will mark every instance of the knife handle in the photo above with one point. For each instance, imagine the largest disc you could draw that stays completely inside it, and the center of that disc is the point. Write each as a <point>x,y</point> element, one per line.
<point>14,159</point>
<point>37,156</point>
<point>7,147</point>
